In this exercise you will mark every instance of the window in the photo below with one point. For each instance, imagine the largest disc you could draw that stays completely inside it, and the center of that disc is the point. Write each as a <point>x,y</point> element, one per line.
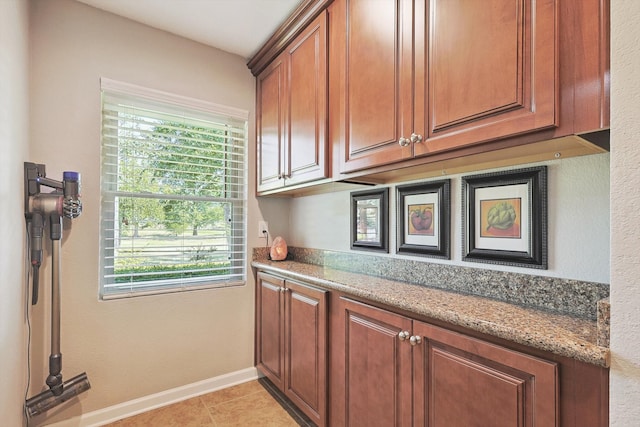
<point>173,193</point>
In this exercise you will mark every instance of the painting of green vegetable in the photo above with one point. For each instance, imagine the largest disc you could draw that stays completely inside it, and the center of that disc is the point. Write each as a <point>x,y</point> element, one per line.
<point>500,218</point>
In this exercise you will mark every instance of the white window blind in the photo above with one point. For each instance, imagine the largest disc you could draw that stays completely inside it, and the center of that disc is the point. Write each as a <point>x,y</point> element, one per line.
<point>173,193</point>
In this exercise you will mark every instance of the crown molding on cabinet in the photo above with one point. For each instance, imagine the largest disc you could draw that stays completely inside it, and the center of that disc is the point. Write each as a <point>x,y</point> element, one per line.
<point>296,22</point>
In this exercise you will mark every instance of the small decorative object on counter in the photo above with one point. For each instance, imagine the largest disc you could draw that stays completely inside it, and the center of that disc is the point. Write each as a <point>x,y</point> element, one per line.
<point>278,250</point>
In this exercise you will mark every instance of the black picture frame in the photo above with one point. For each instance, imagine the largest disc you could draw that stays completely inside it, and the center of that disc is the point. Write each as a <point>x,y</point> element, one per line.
<point>504,218</point>
<point>370,220</point>
<point>424,219</point>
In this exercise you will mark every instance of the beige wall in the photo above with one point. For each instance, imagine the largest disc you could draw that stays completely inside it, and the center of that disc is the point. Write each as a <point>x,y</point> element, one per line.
<point>14,109</point>
<point>578,211</point>
<point>625,217</point>
<point>140,346</point>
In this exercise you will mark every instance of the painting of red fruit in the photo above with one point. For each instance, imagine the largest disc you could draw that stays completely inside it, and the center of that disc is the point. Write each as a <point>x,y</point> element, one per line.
<point>421,219</point>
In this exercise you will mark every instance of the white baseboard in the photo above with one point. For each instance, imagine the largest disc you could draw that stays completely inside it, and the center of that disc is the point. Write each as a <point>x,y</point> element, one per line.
<point>157,400</point>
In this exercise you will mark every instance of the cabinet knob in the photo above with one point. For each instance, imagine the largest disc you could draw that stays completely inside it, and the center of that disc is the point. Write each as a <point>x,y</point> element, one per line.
<point>403,335</point>
<point>415,339</point>
<point>280,176</point>
<point>283,289</point>
<point>404,141</point>
<point>415,138</point>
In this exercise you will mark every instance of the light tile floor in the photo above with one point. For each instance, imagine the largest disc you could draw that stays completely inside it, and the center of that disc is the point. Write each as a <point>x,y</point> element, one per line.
<point>247,404</point>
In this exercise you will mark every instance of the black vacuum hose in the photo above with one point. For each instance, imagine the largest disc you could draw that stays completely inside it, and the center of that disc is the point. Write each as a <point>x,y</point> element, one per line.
<point>36,284</point>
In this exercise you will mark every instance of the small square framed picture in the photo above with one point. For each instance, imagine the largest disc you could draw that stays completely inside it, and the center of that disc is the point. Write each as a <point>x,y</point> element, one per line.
<point>370,220</point>
<point>504,217</point>
<point>423,219</point>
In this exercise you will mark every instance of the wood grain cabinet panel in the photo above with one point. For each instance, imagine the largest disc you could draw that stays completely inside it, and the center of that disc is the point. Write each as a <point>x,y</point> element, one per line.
<point>271,106</point>
<point>291,342</point>
<point>491,70</point>
<point>462,381</point>
<point>480,40</point>
<point>395,85</point>
<point>291,103</point>
<point>306,349</point>
<point>377,367</point>
<point>400,372</point>
<point>489,398</point>
<point>349,363</point>
<point>375,66</point>
<point>421,77</point>
<point>306,156</point>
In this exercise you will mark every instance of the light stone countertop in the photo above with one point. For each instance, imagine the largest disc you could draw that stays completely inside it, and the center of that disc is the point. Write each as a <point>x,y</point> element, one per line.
<point>556,333</point>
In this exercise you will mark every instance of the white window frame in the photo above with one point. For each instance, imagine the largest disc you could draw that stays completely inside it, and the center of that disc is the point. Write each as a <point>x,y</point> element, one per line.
<point>196,109</point>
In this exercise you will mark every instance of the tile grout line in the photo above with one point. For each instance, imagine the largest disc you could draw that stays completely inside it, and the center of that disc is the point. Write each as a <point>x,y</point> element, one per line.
<point>206,408</point>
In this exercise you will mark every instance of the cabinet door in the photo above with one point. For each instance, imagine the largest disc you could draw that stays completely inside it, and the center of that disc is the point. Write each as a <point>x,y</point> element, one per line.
<point>376,71</point>
<point>306,349</point>
<point>377,367</point>
<point>270,117</point>
<point>462,381</point>
<point>492,70</point>
<point>270,328</point>
<point>306,153</point>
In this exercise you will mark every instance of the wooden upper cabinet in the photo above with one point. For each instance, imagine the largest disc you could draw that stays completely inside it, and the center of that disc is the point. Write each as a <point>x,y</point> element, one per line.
<point>270,129</point>
<point>373,50</point>
<point>307,125</point>
<point>381,90</point>
<point>427,76</point>
<point>491,71</point>
<point>292,112</point>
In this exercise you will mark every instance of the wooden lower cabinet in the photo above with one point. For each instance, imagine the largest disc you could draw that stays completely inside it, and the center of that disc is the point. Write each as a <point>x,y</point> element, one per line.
<point>462,381</point>
<point>388,369</point>
<point>291,341</point>
<point>345,362</point>
<point>400,372</point>
<point>377,367</point>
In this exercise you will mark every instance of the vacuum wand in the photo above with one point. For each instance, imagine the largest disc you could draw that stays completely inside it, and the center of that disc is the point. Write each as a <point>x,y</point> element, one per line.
<point>54,380</point>
<point>58,392</point>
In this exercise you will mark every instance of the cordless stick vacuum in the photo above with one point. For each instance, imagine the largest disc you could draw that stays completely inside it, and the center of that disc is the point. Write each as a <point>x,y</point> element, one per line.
<point>63,201</point>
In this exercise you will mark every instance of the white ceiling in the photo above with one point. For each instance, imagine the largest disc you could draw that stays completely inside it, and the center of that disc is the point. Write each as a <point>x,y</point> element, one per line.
<point>236,26</point>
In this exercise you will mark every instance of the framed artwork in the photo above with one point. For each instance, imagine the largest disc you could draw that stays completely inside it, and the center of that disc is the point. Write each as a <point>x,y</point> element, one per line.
<point>423,219</point>
<point>370,220</point>
<point>504,218</point>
